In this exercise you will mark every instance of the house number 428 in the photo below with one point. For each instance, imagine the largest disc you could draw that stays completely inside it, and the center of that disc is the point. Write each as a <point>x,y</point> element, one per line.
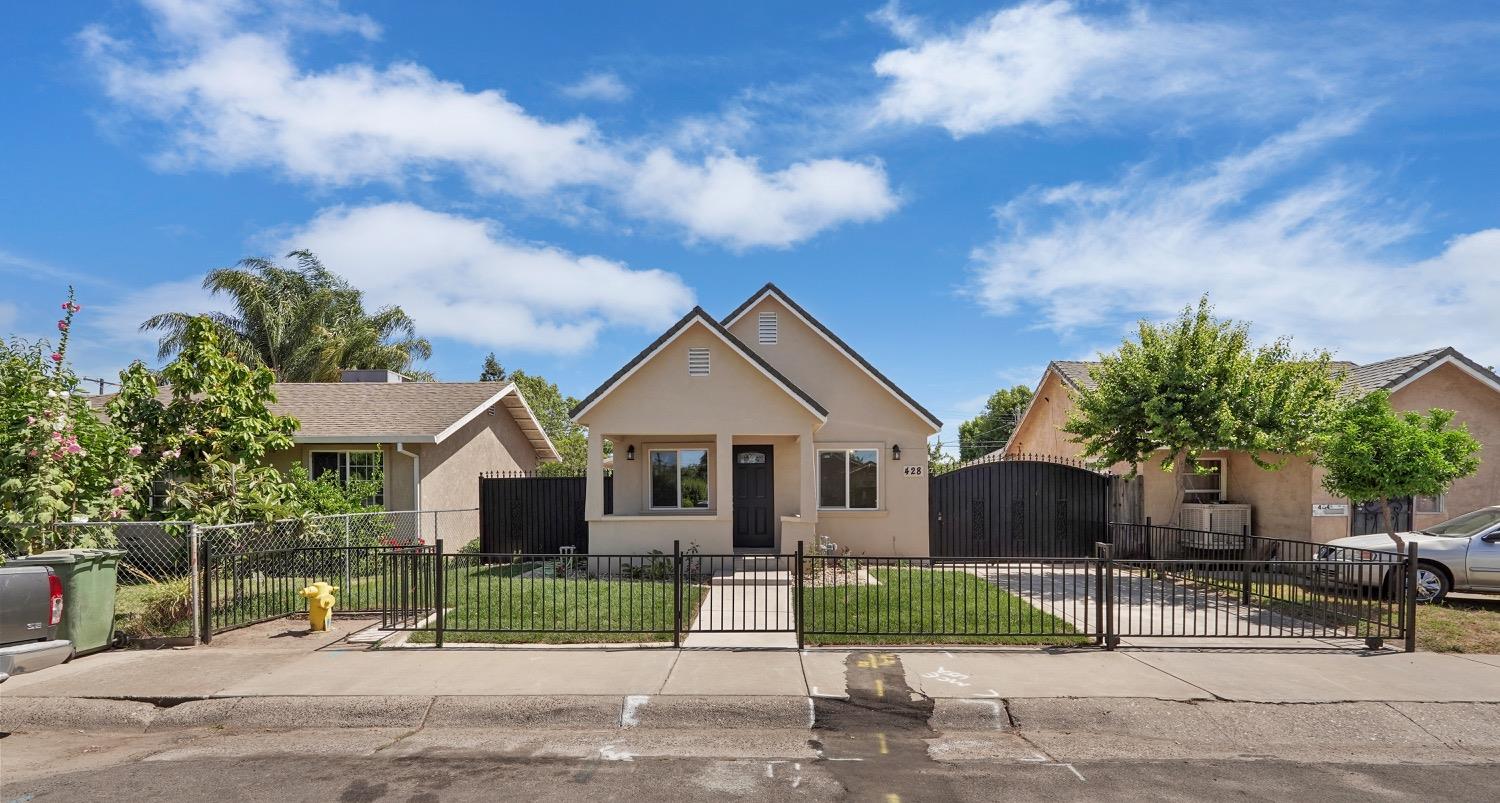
<point>912,471</point>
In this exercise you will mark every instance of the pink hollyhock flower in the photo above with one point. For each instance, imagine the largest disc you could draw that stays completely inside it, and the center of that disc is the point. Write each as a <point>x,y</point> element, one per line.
<point>30,419</point>
<point>62,326</point>
<point>74,448</point>
<point>117,492</point>
<point>66,304</point>
<point>56,356</point>
<point>134,450</point>
<point>31,453</point>
<point>116,513</point>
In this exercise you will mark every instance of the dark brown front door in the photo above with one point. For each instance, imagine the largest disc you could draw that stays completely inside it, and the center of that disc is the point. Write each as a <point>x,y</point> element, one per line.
<point>753,505</point>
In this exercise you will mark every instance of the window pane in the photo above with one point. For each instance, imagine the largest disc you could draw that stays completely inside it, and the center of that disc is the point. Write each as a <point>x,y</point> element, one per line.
<point>694,477</point>
<point>664,479</point>
<point>862,475</point>
<point>324,462</point>
<point>831,479</point>
<point>1428,504</point>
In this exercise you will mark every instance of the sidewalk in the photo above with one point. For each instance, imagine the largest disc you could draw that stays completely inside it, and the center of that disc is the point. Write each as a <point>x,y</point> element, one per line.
<point>324,667</point>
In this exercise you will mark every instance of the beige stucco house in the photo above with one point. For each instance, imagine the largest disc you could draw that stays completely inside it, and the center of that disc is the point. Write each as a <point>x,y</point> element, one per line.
<point>430,440</point>
<point>1291,502</point>
<point>752,433</point>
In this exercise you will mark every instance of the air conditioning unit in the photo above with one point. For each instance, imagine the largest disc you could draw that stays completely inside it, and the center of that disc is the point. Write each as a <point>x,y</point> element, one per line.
<point>1229,519</point>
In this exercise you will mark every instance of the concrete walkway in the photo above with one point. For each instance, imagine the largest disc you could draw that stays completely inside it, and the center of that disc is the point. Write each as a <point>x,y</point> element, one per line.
<point>748,606</point>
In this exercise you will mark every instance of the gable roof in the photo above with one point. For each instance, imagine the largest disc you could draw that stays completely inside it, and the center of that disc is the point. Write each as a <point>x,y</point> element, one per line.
<point>389,412</point>
<point>699,315</point>
<point>839,345</point>
<point>1398,372</point>
<point>1391,374</point>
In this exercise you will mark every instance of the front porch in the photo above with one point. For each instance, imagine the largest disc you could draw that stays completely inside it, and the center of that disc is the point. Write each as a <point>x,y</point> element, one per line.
<point>721,492</point>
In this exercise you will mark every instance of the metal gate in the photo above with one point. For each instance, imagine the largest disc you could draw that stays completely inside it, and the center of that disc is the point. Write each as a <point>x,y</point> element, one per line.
<point>1031,506</point>
<point>1369,517</point>
<point>526,513</point>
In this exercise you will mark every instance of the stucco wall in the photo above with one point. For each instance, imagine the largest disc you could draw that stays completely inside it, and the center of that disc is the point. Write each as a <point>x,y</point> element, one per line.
<point>1040,432</point>
<point>862,413</point>
<point>1476,405</point>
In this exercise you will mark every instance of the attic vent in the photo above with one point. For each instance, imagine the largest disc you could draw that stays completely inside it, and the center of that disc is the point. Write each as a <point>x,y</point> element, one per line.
<point>697,362</point>
<point>768,328</point>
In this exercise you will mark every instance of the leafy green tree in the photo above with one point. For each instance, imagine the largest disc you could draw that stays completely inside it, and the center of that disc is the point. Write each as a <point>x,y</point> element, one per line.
<point>938,461</point>
<point>210,435</point>
<point>58,461</point>
<point>1370,451</point>
<point>1195,385</point>
<point>493,371</point>
<point>328,496</point>
<point>304,323</point>
<point>551,408</point>
<point>988,431</point>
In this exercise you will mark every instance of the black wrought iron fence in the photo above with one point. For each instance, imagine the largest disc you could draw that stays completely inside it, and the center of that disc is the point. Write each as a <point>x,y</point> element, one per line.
<point>1116,594</point>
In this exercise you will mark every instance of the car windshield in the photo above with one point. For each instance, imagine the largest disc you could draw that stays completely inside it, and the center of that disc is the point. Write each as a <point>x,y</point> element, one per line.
<point>1466,525</point>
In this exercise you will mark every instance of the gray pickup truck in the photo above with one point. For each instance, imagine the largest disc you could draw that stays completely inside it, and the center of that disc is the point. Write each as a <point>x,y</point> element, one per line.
<point>31,607</point>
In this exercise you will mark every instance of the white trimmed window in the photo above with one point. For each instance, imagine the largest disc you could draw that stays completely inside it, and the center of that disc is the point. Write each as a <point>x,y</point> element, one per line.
<point>848,479</point>
<point>679,479</point>
<point>697,361</point>
<point>347,466</point>
<point>1428,504</point>
<point>768,328</point>
<point>1207,487</point>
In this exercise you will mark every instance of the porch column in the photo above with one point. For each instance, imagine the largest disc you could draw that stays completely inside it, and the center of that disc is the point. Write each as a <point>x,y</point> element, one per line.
<point>593,498</point>
<point>724,475</point>
<point>809,476</point>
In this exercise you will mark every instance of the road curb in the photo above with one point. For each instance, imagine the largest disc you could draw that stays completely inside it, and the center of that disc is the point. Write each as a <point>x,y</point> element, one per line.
<point>583,712</point>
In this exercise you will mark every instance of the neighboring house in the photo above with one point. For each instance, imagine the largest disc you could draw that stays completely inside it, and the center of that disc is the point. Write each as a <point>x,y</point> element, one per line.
<point>430,440</point>
<point>754,433</point>
<point>1291,502</point>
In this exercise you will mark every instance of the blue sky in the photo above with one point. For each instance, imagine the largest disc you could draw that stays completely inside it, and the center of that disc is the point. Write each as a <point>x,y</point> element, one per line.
<point>963,191</point>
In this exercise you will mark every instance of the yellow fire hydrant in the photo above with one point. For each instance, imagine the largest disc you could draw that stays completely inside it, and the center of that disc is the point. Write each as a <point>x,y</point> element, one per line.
<point>319,604</point>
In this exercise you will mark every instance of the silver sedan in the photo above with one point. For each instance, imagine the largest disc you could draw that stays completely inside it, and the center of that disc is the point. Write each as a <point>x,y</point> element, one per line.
<point>1461,554</point>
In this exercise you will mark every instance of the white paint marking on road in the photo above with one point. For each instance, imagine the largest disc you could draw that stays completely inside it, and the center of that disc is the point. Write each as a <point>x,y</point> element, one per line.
<point>797,779</point>
<point>812,713</point>
<point>611,753</point>
<point>947,654</point>
<point>947,676</point>
<point>994,710</point>
<point>630,717</point>
<point>1071,769</point>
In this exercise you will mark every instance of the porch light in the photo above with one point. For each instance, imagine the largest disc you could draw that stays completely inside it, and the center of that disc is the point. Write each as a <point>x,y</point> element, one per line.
<point>630,452</point>
<point>896,452</point>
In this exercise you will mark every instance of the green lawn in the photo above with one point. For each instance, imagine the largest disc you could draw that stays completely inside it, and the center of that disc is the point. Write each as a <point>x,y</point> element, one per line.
<point>909,600</point>
<point>552,610</point>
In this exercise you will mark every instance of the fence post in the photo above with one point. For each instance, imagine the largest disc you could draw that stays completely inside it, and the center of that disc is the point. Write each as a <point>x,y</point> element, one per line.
<point>195,584</point>
<point>1411,596</point>
<point>1150,554</point>
<point>439,593</point>
<point>676,594</point>
<point>1110,639</point>
<point>1098,592</point>
<point>348,583</point>
<point>797,596</point>
<point>1245,564</point>
<point>205,612</point>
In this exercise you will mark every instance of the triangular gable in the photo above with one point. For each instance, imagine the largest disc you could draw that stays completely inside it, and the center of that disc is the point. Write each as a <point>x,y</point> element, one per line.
<point>838,345</point>
<point>1062,376</point>
<point>698,315</point>
<point>1447,356</point>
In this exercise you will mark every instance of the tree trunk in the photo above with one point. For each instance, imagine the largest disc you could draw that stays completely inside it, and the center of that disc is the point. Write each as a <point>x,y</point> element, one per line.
<point>1390,523</point>
<point>1179,477</point>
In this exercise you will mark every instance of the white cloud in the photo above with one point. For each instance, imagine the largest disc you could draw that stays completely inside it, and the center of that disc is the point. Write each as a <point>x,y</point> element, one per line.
<point>1047,62</point>
<point>605,86</point>
<point>1310,258</point>
<point>730,199</point>
<point>463,278</point>
<point>232,96</point>
<point>119,320</point>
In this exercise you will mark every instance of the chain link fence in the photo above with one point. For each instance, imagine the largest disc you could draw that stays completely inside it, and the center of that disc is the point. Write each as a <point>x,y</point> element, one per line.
<point>159,593</point>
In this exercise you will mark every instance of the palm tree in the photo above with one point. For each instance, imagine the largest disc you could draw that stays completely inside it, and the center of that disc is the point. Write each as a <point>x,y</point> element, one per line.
<point>305,323</point>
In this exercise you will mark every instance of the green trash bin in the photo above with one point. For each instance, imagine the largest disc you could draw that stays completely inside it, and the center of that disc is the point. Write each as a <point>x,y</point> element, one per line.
<point>88,581</point>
